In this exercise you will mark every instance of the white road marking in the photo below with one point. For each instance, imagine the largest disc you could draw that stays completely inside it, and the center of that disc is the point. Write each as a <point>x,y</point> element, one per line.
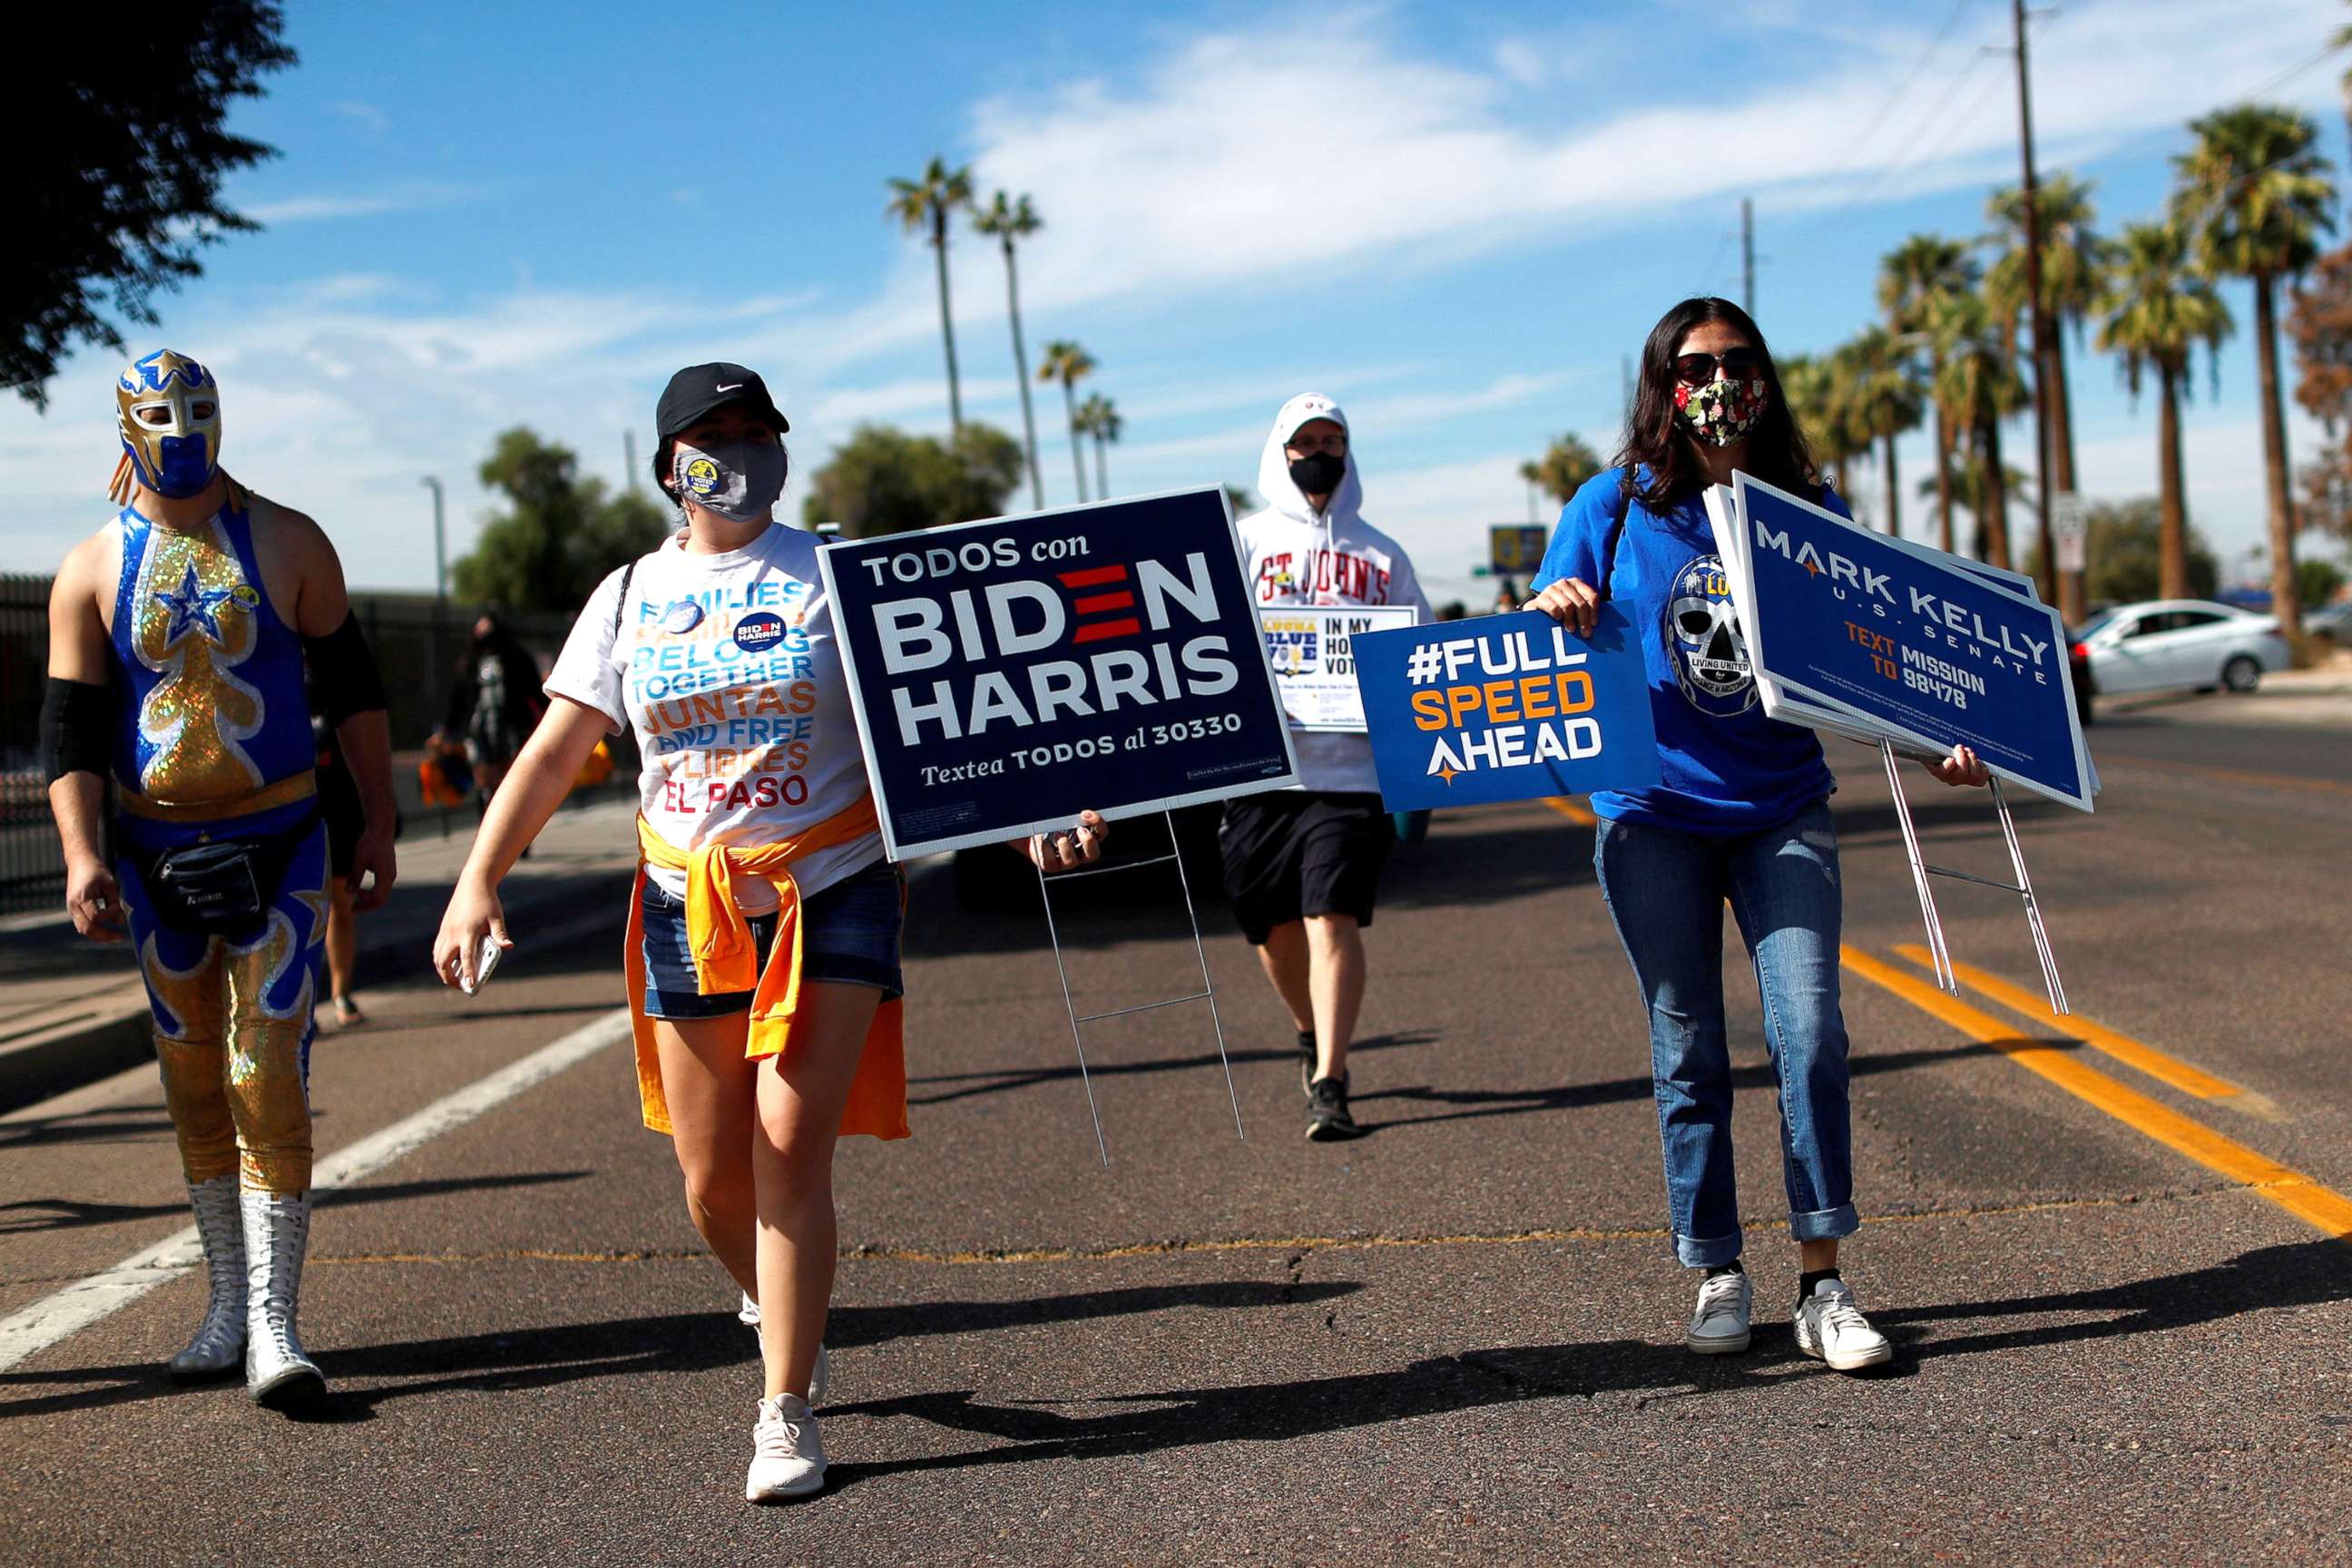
<point>55,1317</point>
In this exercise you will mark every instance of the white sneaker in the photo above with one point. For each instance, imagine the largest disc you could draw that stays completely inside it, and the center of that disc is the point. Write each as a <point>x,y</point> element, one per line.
<point>749,1315</point>
<point>1830,1326</point>
<point>787,1455</point>
<point>1719,1324</point>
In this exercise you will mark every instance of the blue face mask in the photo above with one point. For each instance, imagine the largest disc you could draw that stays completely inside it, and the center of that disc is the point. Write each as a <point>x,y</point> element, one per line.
<point>167,408</point>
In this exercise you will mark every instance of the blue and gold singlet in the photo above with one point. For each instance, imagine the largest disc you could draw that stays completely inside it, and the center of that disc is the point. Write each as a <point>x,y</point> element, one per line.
<point>214,725</point>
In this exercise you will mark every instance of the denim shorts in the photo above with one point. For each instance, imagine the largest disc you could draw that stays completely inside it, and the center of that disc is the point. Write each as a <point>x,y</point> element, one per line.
<point>849,932</point>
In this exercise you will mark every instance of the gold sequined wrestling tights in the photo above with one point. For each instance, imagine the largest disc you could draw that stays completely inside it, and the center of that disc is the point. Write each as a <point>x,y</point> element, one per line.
<point>233,1079</point>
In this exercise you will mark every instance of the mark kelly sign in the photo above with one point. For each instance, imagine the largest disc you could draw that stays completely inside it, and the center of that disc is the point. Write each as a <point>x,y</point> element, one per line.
<point>1503,708</point>
<point>1008,674</point>
<point>1921,646</point>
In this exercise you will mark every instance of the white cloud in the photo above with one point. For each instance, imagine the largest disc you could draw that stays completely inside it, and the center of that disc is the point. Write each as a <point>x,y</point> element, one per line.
<point>1520,62</point>
<point>366,116</point>
<point>1191,176</point>
<point>357,203</point>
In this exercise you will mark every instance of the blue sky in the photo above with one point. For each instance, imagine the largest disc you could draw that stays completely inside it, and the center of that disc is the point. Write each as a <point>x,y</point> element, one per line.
<point>1457,220</point>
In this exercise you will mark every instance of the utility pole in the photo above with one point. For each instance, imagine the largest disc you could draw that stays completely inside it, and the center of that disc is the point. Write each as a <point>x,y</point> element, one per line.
<point>1748,256</point>
<point>440,586</point>
<point>2053,591</point>
<point>629,459</point>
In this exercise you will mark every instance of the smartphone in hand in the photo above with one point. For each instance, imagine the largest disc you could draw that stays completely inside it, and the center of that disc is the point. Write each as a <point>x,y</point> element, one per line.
<point>485,964</point>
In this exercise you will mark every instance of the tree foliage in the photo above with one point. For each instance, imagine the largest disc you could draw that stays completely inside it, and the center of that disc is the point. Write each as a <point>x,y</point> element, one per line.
<point>884,480</point>
<point>560,534</point>
<point>122,190</point>
<point>2320,322</point>
<point>1568,463</point>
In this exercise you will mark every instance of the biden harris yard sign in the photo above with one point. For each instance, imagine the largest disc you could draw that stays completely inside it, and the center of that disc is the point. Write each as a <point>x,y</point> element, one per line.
<point>1009,674</point>
<point>1505,708</point>
<point>1919,643</point>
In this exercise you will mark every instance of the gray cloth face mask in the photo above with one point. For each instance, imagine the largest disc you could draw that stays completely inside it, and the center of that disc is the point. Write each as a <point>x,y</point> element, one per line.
<point>740,480</point>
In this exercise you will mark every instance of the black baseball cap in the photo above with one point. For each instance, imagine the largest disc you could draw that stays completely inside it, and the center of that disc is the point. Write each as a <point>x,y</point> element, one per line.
<point>699,388</point>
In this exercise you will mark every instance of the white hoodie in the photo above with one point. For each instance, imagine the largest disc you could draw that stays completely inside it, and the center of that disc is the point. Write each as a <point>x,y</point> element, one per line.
<point>1294,555</point>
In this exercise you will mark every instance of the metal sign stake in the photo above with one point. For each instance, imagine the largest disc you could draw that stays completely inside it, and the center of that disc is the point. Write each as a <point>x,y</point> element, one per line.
<point>1921,870</point>
<point>1208,991</point>
<point>1936,948</point>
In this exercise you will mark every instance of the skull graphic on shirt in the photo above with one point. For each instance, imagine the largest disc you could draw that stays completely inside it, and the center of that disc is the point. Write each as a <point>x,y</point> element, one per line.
<point>1702,637</point>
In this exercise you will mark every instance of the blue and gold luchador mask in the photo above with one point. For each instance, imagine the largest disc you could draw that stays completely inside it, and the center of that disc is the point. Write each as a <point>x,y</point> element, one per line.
<point>168,408</point>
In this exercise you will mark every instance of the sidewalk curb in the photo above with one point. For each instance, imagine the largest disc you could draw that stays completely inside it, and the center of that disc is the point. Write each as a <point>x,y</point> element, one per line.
<point>48,1065</point>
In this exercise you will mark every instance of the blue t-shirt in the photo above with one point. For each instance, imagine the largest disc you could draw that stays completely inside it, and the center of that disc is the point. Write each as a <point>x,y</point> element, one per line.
<point>1726,768</point>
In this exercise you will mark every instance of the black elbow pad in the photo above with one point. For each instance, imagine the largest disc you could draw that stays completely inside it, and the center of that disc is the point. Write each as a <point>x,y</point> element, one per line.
<point>343,672</point>
<point>77,725</point>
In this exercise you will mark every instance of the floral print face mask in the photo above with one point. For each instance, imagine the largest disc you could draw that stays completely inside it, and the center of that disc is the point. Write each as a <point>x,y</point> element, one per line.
<point>1723,410</point>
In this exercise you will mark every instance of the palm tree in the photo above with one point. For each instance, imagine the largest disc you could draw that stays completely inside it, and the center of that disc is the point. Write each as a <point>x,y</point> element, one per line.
<point>1818,400</point>
<point>1098,417</point>
<point>1067,362</point>
<point>1564,469</point>
<point>1976,387</point>
<point>2154,311</point>
<point>1914,281</point>
<point>1531,471</point>
<point>1885,398</point>
<point>2074,267</point>
<point>2254,200</point>
<point>926,204</point>
<point>1009,218</point>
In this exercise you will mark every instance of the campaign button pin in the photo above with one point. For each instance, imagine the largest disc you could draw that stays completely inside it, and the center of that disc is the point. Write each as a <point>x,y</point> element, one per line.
<point>682,616</point>
<point>762,629</point>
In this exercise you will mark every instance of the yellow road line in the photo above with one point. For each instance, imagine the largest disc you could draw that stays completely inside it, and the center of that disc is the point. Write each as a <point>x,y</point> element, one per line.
<point>2327,1211</point>
<point>2156,1064</point>
<point>1570,810</point>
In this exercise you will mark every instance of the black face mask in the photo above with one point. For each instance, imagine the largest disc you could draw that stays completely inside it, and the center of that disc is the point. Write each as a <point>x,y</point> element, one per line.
<point>1318,473</point>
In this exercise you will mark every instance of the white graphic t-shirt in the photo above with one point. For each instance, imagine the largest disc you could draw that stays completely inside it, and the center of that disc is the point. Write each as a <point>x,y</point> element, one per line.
<point>728,668</point>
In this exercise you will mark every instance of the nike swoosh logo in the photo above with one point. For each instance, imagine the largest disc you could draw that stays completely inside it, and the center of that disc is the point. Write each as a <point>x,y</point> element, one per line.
<point>736,387</point>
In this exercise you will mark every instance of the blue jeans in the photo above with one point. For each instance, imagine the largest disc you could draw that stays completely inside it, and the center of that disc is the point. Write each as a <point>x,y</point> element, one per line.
<point>1665,890</point>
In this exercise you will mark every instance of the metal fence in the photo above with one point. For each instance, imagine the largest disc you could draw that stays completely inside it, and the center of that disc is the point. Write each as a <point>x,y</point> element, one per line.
<point>418,643</point>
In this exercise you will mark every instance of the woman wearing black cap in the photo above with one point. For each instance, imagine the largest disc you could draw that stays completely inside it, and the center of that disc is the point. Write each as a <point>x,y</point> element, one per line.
<point>762,959</point>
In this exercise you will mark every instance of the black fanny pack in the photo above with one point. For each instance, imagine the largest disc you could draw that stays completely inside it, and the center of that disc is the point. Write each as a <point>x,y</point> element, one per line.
<point>220,885</point>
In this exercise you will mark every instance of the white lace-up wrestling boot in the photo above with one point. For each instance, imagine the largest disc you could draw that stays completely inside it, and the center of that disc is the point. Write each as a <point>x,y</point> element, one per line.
<point>218,1349</point>
<point>787,1455</point>
<point>276,1231</point>
<point>747,1314</point>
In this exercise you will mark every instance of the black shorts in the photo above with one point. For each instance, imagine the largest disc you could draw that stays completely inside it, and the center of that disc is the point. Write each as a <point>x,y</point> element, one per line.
<point>1290,853</point>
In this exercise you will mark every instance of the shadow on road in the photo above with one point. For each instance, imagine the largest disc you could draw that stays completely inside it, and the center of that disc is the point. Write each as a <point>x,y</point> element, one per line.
<point>108,1124</point>
<point>1477,1103</point>
<point>2308,1273</point>
<point>30,1215</point>
<point>1003,1079</point>
<point>675,1342</point>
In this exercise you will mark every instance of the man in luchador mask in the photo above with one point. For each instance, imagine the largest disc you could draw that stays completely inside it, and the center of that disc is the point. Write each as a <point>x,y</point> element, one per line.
<point>178,636</point>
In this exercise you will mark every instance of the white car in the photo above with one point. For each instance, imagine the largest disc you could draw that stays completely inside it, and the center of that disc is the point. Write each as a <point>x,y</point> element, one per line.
<point>2169,644</point>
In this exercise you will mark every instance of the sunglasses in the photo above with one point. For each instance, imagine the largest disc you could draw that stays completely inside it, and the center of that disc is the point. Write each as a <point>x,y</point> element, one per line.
<point>1739,364</point>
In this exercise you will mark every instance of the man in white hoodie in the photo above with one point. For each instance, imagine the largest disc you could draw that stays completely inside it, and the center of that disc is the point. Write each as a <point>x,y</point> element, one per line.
<point>1303,866</point>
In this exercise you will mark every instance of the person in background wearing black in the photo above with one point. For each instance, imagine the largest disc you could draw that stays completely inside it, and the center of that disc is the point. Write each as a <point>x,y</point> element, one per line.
<point>494,705</point>
<point>346,819</point>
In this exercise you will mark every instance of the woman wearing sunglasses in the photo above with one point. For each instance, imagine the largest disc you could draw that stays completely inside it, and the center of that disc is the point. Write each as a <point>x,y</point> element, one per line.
<point>1741,817</point>
<point>763,962</point>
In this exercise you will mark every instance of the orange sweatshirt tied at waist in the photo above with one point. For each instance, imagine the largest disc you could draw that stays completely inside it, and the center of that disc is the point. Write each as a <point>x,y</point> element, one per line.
<point>726,959</point>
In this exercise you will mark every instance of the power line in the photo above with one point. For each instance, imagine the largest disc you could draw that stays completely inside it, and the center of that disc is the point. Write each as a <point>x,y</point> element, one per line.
<point>1861,141</point>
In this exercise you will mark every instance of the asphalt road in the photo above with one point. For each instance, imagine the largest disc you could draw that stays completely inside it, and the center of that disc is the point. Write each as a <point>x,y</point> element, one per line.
<point>2122,1321</point>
